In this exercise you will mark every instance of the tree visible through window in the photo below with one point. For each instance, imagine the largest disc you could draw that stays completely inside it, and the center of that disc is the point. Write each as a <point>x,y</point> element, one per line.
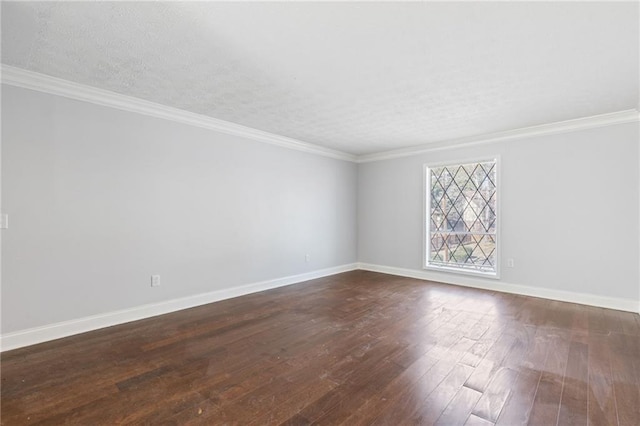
<point>462,217</point>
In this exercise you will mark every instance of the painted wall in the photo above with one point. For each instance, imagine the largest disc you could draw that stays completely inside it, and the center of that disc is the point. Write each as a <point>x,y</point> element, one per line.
<point>100,199</point>
<point>569,210</point>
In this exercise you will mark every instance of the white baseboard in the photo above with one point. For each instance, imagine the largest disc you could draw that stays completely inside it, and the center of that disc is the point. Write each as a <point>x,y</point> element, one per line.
<point>629,305</point>
<point>45,333</point>
<point>49,332</point>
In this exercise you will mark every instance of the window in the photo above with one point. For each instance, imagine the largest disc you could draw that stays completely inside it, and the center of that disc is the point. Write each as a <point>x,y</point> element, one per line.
<point>462,217</point>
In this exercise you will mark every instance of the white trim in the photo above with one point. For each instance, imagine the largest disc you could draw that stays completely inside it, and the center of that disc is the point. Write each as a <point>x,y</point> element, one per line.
<point>59,330</point>
<point>453,270</point>
<point>629,305</point>
<point>56,86</point>
<point>620,117</point>
<point>45,333</point>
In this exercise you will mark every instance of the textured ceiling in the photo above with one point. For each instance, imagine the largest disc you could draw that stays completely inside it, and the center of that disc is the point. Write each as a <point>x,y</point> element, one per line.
<point>357,77</point>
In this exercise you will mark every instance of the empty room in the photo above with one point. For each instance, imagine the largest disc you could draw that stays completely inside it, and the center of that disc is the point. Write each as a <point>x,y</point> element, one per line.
<point>328,213</point>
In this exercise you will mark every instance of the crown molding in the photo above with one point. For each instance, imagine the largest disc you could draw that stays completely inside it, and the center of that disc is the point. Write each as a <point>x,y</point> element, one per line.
<point>620,117</point>
<point>56,86</point>
<point>44,83</point>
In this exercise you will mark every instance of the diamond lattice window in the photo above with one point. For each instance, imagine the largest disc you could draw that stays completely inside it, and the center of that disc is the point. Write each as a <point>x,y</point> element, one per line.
<point>462,217</point>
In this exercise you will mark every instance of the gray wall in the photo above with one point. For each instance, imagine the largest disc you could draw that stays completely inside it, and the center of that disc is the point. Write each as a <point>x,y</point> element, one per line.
<point>569,210</point>
<point>99,199</point>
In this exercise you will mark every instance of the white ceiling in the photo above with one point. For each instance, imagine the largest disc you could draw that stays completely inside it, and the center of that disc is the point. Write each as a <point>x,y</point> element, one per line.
<point>356,77</point>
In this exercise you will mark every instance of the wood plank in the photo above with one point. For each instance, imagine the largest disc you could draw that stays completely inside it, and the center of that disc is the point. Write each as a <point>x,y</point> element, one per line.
<point>573,405</point>
<point>398,389</point>
<point>601,398</point>
<point>434,406</point>
<point>546,402</point>
<point>628,323</point>
<point>491,363</point>
<point>495,395</point>
<point>517,409</point>
<point>460,407</point>
<point>357,348</point>
<point>625,379</point>
<point>477,421</point>
<point>403,409</point>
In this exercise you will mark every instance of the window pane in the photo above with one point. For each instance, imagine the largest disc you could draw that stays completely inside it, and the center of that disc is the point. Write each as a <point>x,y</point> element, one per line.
<point>469,252</point>
<point>463,216</point>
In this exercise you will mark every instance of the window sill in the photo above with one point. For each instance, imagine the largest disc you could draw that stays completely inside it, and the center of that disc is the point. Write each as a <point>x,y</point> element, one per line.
<point>490,275</point>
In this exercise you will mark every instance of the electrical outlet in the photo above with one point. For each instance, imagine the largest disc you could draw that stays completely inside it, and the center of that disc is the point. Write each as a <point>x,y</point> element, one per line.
<point>155,280</point>
<point>4,221</point>
<point>510,263</point>
<point>307,257</point>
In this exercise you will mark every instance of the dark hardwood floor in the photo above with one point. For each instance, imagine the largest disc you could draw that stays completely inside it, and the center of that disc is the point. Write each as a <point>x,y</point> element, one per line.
<point>357,348</point>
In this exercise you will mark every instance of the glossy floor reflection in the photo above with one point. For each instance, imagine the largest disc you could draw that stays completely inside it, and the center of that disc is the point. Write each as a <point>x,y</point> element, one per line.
<point>357,348</point>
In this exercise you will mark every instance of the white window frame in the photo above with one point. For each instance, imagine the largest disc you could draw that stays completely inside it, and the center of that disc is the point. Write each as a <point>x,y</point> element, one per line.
<point>427,218</point>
